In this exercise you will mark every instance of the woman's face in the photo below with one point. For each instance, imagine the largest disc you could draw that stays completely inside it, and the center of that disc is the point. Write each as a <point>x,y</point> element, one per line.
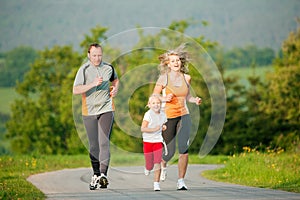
<point>174,63</point>
<point>95,55</point>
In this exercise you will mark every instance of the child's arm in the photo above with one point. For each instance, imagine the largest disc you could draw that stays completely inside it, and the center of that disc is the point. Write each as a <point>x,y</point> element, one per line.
<point>146,129</point>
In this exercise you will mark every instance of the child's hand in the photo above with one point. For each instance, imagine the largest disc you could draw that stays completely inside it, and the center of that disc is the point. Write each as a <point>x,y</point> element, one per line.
<point>164,127</point>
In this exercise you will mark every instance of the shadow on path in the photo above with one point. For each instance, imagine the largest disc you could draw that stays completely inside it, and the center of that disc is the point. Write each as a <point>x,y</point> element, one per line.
<point>130,183</point>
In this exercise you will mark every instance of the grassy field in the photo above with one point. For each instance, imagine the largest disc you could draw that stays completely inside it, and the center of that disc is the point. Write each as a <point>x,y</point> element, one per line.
<point>275,170</point>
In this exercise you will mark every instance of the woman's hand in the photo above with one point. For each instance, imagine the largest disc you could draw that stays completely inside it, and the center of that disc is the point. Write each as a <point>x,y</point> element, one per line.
<point>198,101</point>
<point>169,97</point>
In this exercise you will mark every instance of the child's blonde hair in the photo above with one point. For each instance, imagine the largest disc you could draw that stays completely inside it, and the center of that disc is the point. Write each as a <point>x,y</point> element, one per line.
<point>157,96</point>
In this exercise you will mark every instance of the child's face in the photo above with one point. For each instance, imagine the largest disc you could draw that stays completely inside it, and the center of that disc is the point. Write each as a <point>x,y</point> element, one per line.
<point>154,104</point>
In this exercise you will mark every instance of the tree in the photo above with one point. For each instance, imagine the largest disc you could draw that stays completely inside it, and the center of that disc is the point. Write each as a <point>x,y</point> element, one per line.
<point>281,99</point>
<point>35,124</point>
<point>15,64</point>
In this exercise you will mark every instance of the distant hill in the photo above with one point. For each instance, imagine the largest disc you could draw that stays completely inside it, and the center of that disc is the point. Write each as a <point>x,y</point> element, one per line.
<point>265,23</point>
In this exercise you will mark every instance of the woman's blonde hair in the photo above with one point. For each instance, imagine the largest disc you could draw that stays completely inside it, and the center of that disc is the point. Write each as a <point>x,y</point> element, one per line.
<point>183,56</point>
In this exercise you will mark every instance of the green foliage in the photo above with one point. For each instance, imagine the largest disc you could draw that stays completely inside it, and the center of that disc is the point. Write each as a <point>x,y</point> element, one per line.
<point>35,124</point>
<point>239,57</point>
<point>281,100</point>
<point>42,117</point>
<point>98,33</point>
<point>268,113</point>
<point>14,64</point>
<point>291,49</point>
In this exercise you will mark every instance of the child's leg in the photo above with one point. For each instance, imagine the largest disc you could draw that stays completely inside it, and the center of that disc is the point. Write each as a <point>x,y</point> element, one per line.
<point>148,154</point>
<point>156,172</point>
<point>158,148</point>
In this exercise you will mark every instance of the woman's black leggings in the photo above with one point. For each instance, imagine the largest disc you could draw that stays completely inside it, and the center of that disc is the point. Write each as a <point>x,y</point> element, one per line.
<point>98,128</point>
<point>181,127</point>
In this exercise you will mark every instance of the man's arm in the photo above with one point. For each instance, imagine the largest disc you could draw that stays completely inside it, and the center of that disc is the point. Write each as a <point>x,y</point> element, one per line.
<point>80,89</point>
<point>115,87</point>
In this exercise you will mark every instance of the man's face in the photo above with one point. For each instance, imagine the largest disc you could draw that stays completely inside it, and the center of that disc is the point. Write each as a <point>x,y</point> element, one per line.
<point>95,55</point>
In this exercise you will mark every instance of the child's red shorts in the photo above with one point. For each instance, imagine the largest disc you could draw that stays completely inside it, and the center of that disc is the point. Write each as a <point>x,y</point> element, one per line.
<point>152,153</point>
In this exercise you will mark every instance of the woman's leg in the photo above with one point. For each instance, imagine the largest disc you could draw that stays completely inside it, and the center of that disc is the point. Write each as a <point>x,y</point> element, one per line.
<point>183,137</point>
<point>170,139</point>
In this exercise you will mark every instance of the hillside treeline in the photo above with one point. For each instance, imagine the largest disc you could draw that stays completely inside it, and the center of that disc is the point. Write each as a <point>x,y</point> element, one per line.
<point>15,63</point>
<point>264,115</point>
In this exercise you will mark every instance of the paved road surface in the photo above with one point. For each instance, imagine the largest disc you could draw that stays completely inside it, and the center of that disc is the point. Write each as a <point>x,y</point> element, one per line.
<point>130,183</point>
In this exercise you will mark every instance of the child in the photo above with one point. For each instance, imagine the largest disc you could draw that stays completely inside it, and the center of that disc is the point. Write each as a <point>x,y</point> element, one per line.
<point>152,127</point>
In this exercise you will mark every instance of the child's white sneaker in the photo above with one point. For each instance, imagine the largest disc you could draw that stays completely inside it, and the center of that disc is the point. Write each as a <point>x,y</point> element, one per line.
<point>147,172</point>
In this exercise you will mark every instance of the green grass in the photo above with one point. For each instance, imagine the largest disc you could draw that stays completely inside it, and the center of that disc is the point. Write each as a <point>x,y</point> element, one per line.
<point>274,170</point>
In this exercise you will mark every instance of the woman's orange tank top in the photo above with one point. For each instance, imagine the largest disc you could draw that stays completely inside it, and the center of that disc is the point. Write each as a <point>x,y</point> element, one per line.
<point>177,106</point>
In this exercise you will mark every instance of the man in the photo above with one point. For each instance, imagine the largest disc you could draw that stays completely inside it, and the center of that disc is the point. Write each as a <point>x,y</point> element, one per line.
<point>92,81</point>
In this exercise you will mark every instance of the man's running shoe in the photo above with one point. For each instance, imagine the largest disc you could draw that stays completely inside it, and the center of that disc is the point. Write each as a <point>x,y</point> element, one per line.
<point>181,185</point>
<point>163,174</point>
<point>103,181</point>
<point>95,182</point>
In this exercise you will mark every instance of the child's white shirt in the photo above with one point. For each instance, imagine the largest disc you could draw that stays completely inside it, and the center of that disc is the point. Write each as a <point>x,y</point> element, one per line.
<point>154,120</point>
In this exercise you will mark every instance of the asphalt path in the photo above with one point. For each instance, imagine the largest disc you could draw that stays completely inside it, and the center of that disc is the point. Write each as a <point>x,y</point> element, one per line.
<point>130,183</point>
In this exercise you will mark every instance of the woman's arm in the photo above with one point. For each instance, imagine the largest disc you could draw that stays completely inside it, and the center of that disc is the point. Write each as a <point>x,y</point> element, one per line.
<point>189,97</point>
<point>159,86</point>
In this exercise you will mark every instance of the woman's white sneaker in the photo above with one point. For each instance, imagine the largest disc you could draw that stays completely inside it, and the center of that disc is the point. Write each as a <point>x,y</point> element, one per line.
<point>156,186</point>
<point>181,185</point>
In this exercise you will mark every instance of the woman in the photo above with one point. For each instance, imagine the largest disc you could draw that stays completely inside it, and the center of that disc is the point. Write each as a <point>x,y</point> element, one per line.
<point>174,83</point>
